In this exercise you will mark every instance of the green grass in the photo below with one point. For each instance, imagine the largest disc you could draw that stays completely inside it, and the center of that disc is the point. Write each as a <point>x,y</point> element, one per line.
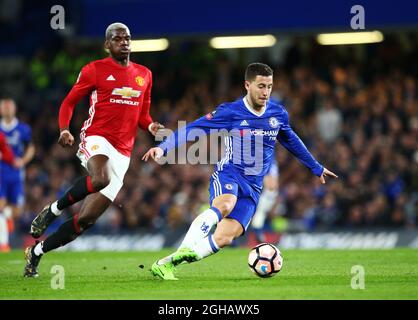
<point>306,274</point>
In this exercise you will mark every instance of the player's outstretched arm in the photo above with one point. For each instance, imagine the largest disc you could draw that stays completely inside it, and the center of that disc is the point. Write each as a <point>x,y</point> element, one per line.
<point>327,173</point>
<point>154,153</point>
<point>84,85</point>
<point>66,139</point>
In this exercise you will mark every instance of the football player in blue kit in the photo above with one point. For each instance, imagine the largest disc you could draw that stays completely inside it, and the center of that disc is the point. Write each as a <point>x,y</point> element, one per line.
<point>19,138</point>
<point>253,123</point>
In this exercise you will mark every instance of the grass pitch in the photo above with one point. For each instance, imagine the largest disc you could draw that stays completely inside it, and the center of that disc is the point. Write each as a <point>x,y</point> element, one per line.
<point>306,274</point>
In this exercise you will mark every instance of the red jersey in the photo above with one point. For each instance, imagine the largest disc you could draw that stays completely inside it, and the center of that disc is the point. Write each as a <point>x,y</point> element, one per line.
<point>120,99</point>
<point>6,153</point>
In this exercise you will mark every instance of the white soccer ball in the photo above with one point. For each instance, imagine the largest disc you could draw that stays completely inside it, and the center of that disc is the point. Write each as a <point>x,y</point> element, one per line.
<point>265,260</point>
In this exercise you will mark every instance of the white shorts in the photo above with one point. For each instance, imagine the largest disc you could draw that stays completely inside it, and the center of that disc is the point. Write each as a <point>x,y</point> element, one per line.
<point>118,164</point>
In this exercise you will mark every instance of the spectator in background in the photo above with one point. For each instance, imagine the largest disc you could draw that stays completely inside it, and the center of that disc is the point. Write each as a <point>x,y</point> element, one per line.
<point>329,121</point>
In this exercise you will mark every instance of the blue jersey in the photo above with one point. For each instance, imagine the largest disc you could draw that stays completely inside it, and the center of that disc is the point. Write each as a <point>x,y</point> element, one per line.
<point>18,135</point>
<point>250,139</point>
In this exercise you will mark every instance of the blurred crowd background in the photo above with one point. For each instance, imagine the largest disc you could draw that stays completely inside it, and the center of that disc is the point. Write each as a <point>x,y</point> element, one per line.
<point>357,116</point>
<point>355,107</point>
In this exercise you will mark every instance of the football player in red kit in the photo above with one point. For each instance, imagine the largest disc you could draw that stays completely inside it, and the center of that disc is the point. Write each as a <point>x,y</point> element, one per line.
<point>120,97</point>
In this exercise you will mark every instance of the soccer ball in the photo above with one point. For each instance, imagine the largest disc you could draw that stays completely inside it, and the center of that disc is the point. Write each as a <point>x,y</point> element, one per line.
<point>265,260</point>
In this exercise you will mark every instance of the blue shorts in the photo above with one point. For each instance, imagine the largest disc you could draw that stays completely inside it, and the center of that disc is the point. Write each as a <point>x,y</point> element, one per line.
<point>11,189</point>
<point>222,182</point>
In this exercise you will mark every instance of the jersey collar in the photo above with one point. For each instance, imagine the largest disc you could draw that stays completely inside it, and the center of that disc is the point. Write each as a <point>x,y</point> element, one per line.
<point>247,105</point>
<point>119,65</point>
<point>9,126</point>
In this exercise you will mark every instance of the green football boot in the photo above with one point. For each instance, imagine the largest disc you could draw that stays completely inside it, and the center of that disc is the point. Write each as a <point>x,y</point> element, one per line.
<point>184,255</point>
<point>164,271</point>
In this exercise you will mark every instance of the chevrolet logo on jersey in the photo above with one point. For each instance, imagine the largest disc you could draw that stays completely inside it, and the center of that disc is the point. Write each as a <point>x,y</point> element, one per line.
<point>126,92</point>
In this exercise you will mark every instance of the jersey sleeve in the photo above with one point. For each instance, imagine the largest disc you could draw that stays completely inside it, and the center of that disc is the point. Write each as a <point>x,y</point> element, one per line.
<point>27,134</point>
<point>6,153</point>
<point>291,141</point>
<point>145,118</point>
<point>85,83</point>
<point>218,119</point>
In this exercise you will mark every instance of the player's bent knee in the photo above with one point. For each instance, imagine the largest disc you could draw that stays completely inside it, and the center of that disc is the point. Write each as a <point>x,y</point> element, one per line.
<point>2,203</point>
<point>16,212</point>
<point>100,181</point>
<point>225,207</point>
<point>223,240</point>
<point>85,223</point>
